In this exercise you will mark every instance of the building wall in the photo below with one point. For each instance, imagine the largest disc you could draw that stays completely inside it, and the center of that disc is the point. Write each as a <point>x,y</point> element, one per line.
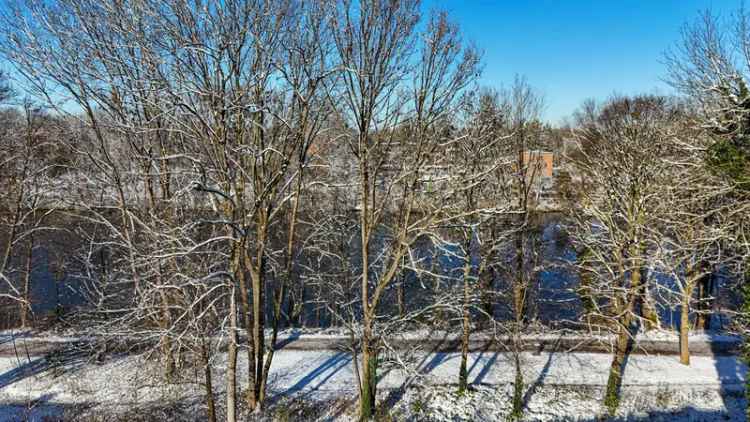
<point>543,159</point>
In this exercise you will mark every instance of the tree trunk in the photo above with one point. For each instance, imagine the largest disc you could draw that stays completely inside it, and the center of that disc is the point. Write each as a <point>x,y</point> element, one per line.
<point>705,291</point>
<point>614,382</point>
<point>624,340</point>
<point>210,403</point>
<point>59,275</point>
<point>26,302</point>
<point>692,276</point>
<point>585,287</point>
<point>317,312</point>
<point>368,384</point>
<point>278,301</point>
<point>684,324</point>
<point>170,366</point>
<point>400,298</point>
<point>518,386</point>
<point>295,307</point>
<point>487,279</point>
<point>258,337</point>
<point>232,361</point>
<point>466,326</point>
<point>519,309</point>
<point>650,316</point>
<point>248,320</point>
<point>400,293</point>
<point>368,387</point>
<point>519,288</point>
<point>300,310</point>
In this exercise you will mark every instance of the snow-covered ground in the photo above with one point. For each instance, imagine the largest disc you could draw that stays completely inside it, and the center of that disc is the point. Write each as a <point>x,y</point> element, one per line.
<point>569,404</point>
<point>324,370</point>
<point>560,386</point>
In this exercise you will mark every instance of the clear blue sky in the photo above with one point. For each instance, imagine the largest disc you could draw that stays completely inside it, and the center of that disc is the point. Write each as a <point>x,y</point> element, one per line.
<point>571,50</point>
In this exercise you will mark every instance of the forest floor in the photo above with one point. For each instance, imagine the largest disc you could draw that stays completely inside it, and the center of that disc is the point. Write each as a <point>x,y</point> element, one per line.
<point>320,384</point>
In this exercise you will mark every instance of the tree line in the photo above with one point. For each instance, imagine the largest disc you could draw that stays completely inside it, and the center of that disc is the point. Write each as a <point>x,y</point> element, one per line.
<point>230,164</point>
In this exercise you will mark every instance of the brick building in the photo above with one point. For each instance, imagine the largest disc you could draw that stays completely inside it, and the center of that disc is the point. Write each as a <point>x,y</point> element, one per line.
<point>538,163</point>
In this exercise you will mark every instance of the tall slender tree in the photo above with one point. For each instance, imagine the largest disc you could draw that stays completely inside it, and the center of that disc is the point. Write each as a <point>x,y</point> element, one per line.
<point>398,85</point>
<point>621,146</point>
<point>709,66</point>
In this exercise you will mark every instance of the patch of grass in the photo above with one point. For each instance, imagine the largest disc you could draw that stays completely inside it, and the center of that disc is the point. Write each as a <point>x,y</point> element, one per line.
<point>383,414</point>
<point>664,397</point>
<point>300,409</point>
<point>418,406</point>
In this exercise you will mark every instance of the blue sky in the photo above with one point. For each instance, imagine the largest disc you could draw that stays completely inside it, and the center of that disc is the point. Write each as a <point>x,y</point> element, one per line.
<point>571,50</point>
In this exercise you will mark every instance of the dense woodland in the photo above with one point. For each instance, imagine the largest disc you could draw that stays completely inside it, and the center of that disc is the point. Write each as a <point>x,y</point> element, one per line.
<point>204,174</point>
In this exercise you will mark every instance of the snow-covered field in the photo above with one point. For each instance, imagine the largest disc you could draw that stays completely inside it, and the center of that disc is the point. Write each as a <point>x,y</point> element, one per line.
<point>310,385</point>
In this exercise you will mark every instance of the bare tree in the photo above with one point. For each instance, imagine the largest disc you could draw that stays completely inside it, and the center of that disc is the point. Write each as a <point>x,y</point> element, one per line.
<point>621,150</point>
<point>478,163</point>
<point>696,230</point>
<point>394,138</point>
<point>27,147</point>
<point>223,99</point>
<point>523,107</point>
<point>710,66</point>
<point>521,184</point>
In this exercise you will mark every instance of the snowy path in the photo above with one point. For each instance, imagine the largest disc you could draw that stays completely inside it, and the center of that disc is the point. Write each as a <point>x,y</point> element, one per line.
<point>295,371</point>
<point>303,372</point>
<point>652,342</point>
